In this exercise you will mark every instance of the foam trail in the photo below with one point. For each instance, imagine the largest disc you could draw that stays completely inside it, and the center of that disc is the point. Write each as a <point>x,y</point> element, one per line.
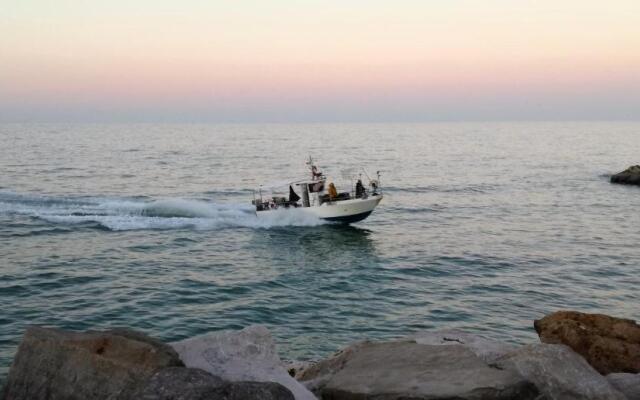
<point>131,214</point>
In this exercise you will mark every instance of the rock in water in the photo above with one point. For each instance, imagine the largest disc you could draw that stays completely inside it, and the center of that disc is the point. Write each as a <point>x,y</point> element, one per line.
<point>246,355</point>
<point>630,176</point>
<point>559,373</point>
<point>408,370</point>
<point>54,364</point>
<point>609,344</point>
<point>628,384</point>
<point>178,383</point>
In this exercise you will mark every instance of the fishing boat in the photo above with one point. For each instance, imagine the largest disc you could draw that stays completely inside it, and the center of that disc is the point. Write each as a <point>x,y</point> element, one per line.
<point>320,198</point>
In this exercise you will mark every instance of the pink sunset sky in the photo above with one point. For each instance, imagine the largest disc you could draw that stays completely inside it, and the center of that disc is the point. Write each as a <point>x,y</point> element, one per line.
<point>285,61</point>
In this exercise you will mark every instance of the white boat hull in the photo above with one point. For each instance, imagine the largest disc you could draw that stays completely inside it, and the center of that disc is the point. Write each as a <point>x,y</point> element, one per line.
<point>345,211</point>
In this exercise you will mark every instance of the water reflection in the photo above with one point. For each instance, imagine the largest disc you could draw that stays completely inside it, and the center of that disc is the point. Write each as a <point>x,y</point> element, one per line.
<point>327,245</point>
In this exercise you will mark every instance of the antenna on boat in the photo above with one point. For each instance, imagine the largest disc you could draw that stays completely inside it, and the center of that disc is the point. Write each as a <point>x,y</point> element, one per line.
<point>315,173</point>
<point>365,172</point>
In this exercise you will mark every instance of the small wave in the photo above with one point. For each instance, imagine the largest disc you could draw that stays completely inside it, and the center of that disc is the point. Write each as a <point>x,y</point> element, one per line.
<point>39,232</point>
<point>412,210</point>
<point>482,188</point>
<point>228,192</point>
<point>62,169</point>
<point>118,214</point>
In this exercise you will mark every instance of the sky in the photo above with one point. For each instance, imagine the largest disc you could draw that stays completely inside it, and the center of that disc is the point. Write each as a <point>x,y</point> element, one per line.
<point>319,61</point>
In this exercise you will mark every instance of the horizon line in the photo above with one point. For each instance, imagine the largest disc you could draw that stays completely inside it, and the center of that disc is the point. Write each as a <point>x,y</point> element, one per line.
<point>318,122</point>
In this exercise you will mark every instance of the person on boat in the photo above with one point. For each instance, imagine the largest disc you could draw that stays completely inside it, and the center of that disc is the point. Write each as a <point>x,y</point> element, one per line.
<point>333,192</point>
<point>315,174</point>
<point>359,189</point>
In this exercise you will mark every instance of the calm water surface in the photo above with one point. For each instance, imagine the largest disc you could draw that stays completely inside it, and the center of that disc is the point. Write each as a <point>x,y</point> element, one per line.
<point>484,226</point>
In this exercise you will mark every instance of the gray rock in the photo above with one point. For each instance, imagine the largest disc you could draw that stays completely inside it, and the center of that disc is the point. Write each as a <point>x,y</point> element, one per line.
<point>317,375</point>
<point>629,384</point>
<point>296,368</point>
<point>408,370</point>
<point>246,355</point>
<point>630,176</point>
<point>55,364</point>
<point>253,391</point>
<point>488,350</point>
<point>180,383</point>
<point>559,373</point>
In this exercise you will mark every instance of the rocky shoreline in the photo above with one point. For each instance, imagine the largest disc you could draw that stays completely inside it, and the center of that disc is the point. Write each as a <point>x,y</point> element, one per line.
<point>579,356</point>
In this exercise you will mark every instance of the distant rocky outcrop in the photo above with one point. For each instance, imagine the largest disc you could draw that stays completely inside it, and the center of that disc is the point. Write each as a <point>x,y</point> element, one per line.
<point>630,176</point>
<point>609,344</point>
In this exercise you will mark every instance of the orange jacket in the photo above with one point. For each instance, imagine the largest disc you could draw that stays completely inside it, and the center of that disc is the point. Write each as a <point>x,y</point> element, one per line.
<point>332,191</point>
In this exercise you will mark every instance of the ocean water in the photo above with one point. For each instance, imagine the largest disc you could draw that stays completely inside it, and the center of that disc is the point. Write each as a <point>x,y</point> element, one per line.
<point>484,226</point>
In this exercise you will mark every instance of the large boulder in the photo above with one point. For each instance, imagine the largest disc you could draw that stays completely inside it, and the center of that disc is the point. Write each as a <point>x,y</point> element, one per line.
<point>630,176</point>
<point>609,344</point>
<point>629,384</point>
<point>181,383</point>
<point>246,355</point>
<point>55,364</point>
<point>404,369</point>
<point>488,350</point>
<point>252,391</point>
<point>559,373</point>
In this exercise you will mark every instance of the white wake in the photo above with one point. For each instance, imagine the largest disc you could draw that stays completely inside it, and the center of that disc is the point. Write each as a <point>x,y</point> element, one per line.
<point>119,214</point>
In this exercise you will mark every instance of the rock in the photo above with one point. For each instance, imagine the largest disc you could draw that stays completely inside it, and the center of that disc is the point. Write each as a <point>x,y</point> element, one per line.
<point>316,376</point>
<point>609,344</point>
<point>407,370</point>
<point>488,350</point>
<point>559,373</point>
<point>246,355</point>
<point>296,368</point>
<point>253,391</point>
<point>630,176</point>
<point>55,364</point>
<point>628,384</point>
<point>180,383</point>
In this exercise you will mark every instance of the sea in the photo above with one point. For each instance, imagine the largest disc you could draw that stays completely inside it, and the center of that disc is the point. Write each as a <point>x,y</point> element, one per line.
<point>484,226</point>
